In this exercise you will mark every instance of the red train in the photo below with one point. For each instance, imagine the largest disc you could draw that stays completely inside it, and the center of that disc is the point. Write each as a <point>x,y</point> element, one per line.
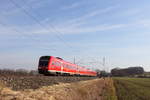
<point>55,65</point>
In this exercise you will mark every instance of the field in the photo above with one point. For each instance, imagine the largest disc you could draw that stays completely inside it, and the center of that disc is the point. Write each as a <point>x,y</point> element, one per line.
<point>132,88</point>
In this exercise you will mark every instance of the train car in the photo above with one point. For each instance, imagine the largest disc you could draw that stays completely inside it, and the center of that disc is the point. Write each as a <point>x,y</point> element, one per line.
<point>57,66</point>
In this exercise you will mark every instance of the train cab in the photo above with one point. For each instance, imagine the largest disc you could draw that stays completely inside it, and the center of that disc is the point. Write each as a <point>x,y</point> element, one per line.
<point>43,64</point>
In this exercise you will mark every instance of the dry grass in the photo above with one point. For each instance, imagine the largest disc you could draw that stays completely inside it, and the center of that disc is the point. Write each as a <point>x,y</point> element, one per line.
<point>34,82</point>
<point>2,86</point>
<point>109,90</point>
<point>84,90</point>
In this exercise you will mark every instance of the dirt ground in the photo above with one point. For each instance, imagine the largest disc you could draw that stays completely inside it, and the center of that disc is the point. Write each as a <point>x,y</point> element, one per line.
<point>83,90</point>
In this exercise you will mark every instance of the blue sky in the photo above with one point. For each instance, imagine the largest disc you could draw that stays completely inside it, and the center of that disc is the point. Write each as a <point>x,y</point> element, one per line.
<point>85,29</point>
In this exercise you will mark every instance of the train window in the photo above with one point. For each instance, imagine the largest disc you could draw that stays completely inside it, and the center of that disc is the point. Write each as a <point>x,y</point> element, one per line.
<point>71,67</point>
<point>66,66</point>
<point>53,63</point>
<point>43,63</point>
<point>44,60</point>
<point>57,63</point>
<point>63,65</point>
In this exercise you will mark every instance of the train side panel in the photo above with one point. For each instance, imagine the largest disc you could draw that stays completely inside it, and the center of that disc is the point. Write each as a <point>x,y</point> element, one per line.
<point>56,66</point>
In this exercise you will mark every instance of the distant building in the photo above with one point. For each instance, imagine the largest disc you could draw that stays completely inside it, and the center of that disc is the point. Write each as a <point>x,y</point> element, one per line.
<point>127,71</point>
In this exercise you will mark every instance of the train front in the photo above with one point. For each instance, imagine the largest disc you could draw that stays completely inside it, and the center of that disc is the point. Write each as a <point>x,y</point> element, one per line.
<point>43,64</point>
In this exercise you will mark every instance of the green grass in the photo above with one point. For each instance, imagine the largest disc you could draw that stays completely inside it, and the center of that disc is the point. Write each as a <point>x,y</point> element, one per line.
<point>132,88</point>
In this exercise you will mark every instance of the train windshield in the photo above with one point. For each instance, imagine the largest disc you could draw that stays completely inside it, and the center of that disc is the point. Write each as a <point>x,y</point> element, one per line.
<point>43,62</point>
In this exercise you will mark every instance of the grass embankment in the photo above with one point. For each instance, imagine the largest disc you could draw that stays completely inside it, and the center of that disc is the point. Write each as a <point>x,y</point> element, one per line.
<point>83,90</point>
<point>109,92</point>
<point>16,82</point>
<point>132,88</point>
<point>1,86</point>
